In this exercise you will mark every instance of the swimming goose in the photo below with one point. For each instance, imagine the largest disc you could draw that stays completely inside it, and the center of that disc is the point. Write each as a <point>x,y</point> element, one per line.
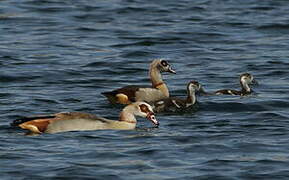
<point>158,90</point>
<point>77,121</point>
<point>245,80</point>
<point>174,104</point>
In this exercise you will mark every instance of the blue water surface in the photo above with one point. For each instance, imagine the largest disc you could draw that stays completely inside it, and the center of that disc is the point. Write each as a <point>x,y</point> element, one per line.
<point>60,55</point>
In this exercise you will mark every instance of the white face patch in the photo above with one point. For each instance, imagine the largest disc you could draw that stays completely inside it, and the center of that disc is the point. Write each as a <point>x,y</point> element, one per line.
<point>194,87</point>
<point>245,80</point>
<point>191,88</point>
<point>160,102</point>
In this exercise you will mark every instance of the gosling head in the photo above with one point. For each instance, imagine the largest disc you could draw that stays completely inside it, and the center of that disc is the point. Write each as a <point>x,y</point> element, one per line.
<point>145,110</point>
<point>194,86</point>
<point>247,78</point>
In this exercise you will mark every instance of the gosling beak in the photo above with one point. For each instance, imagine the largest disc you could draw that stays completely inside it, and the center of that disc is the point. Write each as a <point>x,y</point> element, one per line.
<point>170,70</point>
<point>254,81</point>
<point>152,118</point>
<point>201,91</point>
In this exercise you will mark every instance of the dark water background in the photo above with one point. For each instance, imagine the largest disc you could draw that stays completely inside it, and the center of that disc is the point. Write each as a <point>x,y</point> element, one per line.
<point>59,55</point>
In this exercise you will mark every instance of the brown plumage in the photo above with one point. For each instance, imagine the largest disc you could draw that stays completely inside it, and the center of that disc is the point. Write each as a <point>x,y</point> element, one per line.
<point>245,79</point>
<point>175,104</point>
<point>77,121</point>
<point>133,93</point>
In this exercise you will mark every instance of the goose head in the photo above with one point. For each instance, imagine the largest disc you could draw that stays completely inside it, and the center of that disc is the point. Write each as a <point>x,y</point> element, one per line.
<point>163,66</point>
<point>143,109</point>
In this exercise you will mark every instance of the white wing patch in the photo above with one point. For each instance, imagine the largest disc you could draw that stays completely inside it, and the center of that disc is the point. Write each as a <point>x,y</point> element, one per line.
<point>160,102</point>
<point>175,103</point>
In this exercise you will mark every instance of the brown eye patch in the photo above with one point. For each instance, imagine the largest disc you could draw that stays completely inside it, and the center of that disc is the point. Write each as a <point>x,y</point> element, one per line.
<point>144,108</point>
<point>164,63</point>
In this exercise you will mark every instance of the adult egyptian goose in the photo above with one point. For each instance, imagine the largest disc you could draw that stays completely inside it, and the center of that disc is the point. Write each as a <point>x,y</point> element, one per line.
<point>77,121</point>
<point>132,93</point>
<point>245,80</point>
<point>174,104</point>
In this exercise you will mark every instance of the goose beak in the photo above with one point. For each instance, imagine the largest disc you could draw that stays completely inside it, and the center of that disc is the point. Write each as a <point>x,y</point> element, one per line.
<point>254,81</point>
<point>201,91</point>
<point>170,70</point>
<point>152,118</point>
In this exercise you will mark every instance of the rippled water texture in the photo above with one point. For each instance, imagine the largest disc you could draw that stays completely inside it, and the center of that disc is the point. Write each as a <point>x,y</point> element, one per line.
<point>60,55</point>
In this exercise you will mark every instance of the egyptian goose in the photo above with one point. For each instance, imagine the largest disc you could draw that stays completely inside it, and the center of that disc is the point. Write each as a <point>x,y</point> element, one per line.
<point>245,80</point>
<point>159,89</point>
<point>77,121</point>
<point>174,104</point>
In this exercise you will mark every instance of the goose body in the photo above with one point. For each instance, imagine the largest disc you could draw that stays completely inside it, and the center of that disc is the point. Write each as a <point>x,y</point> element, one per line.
<point>77,121</point>
<point>175,104</point>
<point>133,93</point>
<point>246,80</point>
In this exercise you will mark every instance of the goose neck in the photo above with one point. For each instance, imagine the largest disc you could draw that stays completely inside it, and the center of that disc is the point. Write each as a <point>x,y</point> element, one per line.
<point>191,98</point>
<point>127,115</point>
<point>155,75</point>
<point>245,87</point>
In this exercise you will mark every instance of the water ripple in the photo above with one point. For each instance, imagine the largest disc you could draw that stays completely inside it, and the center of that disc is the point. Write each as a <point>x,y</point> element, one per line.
<point>59,56</point>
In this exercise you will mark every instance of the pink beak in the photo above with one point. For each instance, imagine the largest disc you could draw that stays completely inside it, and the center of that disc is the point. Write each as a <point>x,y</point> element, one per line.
<point>152,118</point>
<point>171,70</point>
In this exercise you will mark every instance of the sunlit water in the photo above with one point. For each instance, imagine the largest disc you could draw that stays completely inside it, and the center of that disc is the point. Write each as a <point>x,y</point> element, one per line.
<point>60,55</point>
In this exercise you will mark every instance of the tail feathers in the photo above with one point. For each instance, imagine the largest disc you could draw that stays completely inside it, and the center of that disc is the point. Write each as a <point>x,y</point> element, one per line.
<point>109,93</point>
<point>21,120</point>
<point>111,96</point>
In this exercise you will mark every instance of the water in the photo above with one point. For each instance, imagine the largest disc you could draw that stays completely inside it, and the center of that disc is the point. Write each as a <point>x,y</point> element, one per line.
<point>60,55</point>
